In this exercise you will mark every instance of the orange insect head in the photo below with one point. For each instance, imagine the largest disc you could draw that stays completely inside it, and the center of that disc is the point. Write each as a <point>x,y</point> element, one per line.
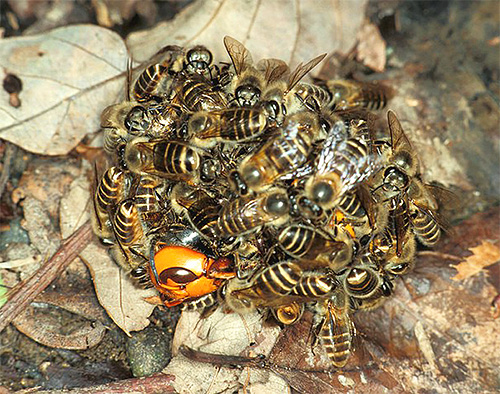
<point>180,273</point>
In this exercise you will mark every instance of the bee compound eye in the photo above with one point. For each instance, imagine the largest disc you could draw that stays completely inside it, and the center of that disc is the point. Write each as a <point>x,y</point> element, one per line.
<point>178,275</point>
<point>251,175</point>
<point>322,192</point>
<point>398,269</point>
<point>277,204</point>
<point>137,120</point>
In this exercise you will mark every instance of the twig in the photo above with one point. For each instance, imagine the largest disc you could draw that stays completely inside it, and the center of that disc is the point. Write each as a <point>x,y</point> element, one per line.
<point>26,291</point>
<point>156,384</point>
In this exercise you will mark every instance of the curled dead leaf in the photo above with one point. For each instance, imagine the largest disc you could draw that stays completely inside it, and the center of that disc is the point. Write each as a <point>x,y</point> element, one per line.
<point>484,255</point>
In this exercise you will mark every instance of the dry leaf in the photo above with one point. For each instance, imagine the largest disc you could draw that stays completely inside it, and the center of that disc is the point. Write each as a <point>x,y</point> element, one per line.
<point>69,76</point>
<point>483,256</point>
<point>371,47</point>
<point>283,29</point>
<point>123,301</point>
<point>223,334</point>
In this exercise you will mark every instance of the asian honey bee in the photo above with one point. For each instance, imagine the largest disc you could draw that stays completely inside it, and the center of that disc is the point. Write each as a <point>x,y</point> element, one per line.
<point>249,82</point>
<point>246,214</point>
<point>336,331</point>
<point>120,121</point>
<point>195,93</point>
<point>130,250</point>
<point>226,125</point>
<point>275,99</point>
<point>172,160</point>
<point>353,94</point>
<point>361,279</point>
<point>306,242</point>
<point>268,287</point>
<point>395,178</point>
<point>314,285</point>
<point>149,203</point>
<point>154,82</point>
<point>342,164</point>
<point>200,209</point>
<point>198,60</point>
<point>282,154</point>
<point>108,193</point>
<point>424,201</point>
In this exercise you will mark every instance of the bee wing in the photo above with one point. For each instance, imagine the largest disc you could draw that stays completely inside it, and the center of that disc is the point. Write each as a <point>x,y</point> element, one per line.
<point>301,71</point>
<point>331,159</point>
<point>446,198</point>
<point>273,69</point>
<point>398,136</point>
<point>400,222</point>
<point>240,56</point>
<point>368,203</point>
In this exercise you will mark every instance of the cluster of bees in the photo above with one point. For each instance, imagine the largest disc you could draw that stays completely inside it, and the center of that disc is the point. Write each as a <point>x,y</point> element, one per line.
<point>239,184</point>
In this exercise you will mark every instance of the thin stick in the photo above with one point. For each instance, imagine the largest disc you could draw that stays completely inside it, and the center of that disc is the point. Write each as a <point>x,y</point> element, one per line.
<point>26,291</point>
<point>156,384</point>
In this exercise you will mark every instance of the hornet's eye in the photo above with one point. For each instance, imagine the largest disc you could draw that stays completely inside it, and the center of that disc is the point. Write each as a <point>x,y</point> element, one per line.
<point>178,275</point>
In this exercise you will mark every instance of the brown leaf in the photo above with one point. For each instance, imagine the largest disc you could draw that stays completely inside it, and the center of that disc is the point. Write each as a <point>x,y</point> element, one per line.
<point>371,47</point>
<point>483,256</point>
<point>48,327</point>
<point>283,29</point>
<point>69,75</point>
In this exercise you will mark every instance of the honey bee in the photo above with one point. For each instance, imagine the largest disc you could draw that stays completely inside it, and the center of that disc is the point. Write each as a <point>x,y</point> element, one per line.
<point>268,287</point>
<point>314,285</point>
<point>361,280</point>
<point>249,82</point>
<point>194,93</point>
<point>313,97</point>
<point>275,100</point>
<point>336,331</point>
<point>353,94</point>
<point>198,60</point>
<point>403,164</point>
<point>172,160</point>
<point>109,191</point>
<point>227,125</point>
<point>121,120</point>
<point>131,249</point>
<point>309,243</point>
<point>341,165</point>
<point>154,83</point>
<point>424,200</point>
<point>282,154</point>
<point>207,304</point>
<point>200,209</point>
<point>246,214</point>
<point>149,203</point>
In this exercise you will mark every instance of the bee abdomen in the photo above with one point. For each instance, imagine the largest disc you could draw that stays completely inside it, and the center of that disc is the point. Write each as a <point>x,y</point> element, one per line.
<point>127,226</point>
<point>280,278</point>
<point>110,187</point>
<point>171,157</point>
<point>148,81</point>
<point>426,229</point>
<point>314,286</point>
